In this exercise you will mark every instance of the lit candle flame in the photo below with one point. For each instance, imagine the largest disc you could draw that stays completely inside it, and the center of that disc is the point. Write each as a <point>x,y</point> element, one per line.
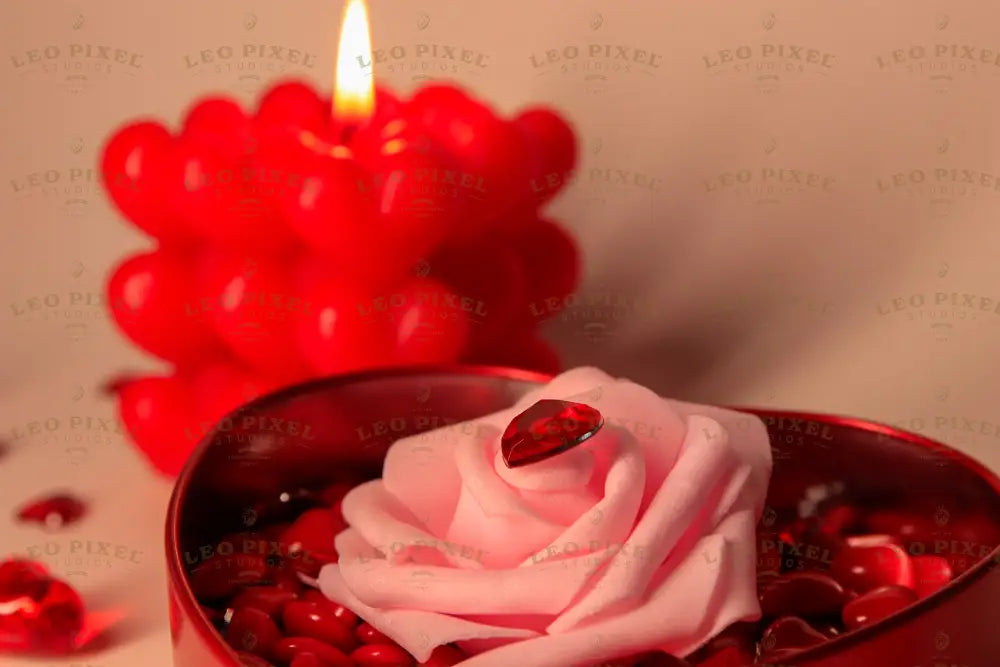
<point>354,92</point>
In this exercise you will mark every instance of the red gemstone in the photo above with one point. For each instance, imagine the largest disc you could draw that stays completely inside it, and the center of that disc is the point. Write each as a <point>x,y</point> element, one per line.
<point>547,428</point>
<point>306,660</point>
<point>38,614</point>
<point>53,511</point>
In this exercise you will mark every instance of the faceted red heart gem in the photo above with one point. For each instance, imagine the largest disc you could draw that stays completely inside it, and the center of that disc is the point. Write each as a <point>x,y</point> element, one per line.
<point>863,568</point>
<point>38,614</point>
<point>802,594</point>
<point>877,604</point>
<point>547,428</point>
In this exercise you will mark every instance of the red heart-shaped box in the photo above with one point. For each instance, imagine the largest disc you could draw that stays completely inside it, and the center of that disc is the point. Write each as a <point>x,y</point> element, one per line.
<point>941,501</point>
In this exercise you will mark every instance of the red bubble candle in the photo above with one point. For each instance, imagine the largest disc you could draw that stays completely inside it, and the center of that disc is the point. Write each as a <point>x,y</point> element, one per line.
<point>318,234</point>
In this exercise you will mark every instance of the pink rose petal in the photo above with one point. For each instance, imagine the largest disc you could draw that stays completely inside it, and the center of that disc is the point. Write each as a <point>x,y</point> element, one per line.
<point>419,632</point>
<point>609,522</point>
<point>704,464</point>
<point>641,538</point>
<point>545,587</point>
<point>378,517</point>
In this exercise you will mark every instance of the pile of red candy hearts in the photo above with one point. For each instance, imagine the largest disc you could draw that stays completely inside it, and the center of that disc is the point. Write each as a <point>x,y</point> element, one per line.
<point>291,246</point>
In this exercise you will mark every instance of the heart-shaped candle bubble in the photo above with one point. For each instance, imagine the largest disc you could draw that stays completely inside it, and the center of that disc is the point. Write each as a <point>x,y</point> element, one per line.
<point>547,428</point>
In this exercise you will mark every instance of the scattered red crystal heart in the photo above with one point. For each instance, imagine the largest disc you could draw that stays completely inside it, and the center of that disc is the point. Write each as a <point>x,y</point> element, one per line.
<point>53,511</point>
<point>547,428</point>
<point>38,613</point>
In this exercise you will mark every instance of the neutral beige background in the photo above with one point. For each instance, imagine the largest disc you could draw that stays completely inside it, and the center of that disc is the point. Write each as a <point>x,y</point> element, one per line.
<point>791,203</point>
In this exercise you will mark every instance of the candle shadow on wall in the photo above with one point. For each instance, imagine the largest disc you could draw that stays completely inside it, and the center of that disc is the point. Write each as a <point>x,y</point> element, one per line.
<point>688,354</point>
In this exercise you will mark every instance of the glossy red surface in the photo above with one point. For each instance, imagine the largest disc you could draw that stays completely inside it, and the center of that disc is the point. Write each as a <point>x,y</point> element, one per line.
<point>348,422</point>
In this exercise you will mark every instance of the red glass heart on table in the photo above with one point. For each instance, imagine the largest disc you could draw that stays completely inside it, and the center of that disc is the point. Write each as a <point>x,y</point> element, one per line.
<point>38,614</point>
<point>547,428</point>
<point>54,511</point>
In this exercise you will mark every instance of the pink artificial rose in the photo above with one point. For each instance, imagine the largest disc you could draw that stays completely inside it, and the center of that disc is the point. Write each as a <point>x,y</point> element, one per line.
<point>640,538</point>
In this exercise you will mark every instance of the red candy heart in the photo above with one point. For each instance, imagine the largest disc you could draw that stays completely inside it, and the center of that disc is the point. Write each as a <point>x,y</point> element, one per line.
<point>789,632</point>
<point>253,631</point>
<point>309,619</point>
<point>311,536</point>
<point>863,568</point>
<point>547,428</point>
<point>219,577</point>
<point>382,655</point>
<point>877,604</point>
<point>802,594</point>
<point>727,656</point>
<point>930,574</point>
<point>306,660</point>
<point>367,634</point>
<point>38,613</point>
<point>287,648</point>
<point>269,599</point>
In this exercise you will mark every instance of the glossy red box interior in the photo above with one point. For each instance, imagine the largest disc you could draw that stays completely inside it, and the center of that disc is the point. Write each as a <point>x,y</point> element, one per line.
<point>297,437</point>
